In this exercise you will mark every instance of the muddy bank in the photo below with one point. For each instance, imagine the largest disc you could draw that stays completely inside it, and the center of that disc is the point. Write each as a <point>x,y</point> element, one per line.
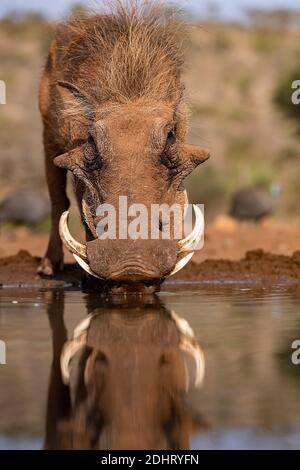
<point>20,271</point>
<point>257,267</point>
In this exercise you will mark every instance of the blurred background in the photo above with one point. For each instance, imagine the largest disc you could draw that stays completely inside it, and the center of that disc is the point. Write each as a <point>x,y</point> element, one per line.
<point>242,57</point>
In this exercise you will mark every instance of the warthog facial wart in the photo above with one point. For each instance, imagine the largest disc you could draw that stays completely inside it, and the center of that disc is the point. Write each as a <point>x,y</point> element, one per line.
<point>295,358</point>
<point>138,221</point>
<point>2,353</point>
<point>2,92</point>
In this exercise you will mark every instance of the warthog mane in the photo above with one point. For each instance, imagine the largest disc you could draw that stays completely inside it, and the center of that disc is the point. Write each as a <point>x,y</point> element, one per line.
<point>132,50</point>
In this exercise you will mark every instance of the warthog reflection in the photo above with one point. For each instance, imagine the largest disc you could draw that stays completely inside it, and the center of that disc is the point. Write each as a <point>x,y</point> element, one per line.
<point>122,381</point>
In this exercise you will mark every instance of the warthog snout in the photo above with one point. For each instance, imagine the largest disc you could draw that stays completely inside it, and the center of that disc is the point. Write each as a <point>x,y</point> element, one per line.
<point>124,261</point>
<point>133,260</point>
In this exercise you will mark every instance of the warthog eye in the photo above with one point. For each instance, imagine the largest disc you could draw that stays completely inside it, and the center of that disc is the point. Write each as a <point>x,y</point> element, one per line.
<point>171,139</point>
<point>92,157</point>
<point>91,141</point>
<point>170,155</point>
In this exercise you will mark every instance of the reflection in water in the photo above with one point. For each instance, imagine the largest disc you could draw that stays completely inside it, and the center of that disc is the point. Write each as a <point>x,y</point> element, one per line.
<point>122,381</point>
<point>250,395</point>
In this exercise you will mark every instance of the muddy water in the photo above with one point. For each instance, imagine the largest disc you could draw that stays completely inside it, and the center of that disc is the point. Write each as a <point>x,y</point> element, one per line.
<point>134,386</point>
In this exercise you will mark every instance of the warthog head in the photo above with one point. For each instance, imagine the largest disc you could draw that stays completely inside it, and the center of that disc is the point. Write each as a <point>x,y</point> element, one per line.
<point>128,375</point>
<point>123,104</point>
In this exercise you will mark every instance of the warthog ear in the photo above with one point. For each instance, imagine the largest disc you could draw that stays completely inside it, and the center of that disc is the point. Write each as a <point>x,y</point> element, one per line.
<point>194,155</point>
<point>69,160</point>
<point>82,102</point>
<point>74,161</point>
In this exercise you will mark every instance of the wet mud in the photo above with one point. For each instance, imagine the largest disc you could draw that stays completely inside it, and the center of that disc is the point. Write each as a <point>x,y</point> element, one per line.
<point>256,267</point>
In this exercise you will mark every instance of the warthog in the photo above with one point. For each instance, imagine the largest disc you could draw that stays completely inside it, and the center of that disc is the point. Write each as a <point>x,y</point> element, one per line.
<point>114,114</point>
<point>122,381</point>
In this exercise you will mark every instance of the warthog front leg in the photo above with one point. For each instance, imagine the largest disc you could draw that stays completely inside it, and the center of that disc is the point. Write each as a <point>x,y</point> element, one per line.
<point>56,180</point>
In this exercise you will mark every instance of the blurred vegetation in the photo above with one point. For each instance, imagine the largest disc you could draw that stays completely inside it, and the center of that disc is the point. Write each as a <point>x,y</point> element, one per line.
<point>280,19</point>
<point>42,226</point>
<point>266,42</point>
<point>238,80</point>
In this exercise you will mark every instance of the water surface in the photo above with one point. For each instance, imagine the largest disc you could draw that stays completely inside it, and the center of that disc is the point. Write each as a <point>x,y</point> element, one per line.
<point>249,397</point>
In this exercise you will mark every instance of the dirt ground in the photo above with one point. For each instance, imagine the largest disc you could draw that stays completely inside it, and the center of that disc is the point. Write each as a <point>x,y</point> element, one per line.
<point>233,252</point>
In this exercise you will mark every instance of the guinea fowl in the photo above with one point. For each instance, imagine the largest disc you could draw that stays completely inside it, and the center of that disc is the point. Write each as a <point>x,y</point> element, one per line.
<point>251,203</point>
<point>25,206</point>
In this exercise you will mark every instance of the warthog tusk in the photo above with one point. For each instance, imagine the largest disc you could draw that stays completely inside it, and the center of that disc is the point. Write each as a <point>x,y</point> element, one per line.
<point>181,263</point>
<point>195,236</point>
<point>73,346</point>
<point>85,266</point>
<point>77,249</point>
<point>182,325</point>
<point>186,245</point>
<point>189,345</point>
<point>71,244</point>
<point>197,354</point>
<point>69,351</point>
